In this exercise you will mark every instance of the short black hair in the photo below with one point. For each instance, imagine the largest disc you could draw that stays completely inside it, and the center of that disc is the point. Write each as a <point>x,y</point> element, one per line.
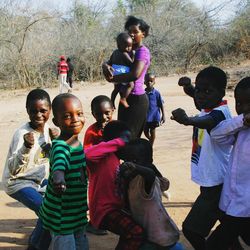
<point>96,102</point>
<point>122,38</point>
<point>132,20</point>
<point>215,75</point>
<point>141,149</point>
<point>37,94</point>
<point>68,59</point>
<point>114,129</point>
<point>57,102</point>
<point>243,84</point>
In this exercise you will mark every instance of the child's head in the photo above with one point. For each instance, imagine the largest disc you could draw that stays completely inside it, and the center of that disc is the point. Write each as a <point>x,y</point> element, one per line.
<point>149,80</point>
<point>124,42</point>
<point>210,86</point>
<point>139,151</point>
<point>38,106</point>
<point>242,96</point>
<point>102,109</point>
<point>62,58</point>
<point>114,129</point>
<point>68,60</point>
<point>68,114</point>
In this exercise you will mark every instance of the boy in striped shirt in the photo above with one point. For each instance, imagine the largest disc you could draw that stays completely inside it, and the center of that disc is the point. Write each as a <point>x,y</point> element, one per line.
<point>64,207</point>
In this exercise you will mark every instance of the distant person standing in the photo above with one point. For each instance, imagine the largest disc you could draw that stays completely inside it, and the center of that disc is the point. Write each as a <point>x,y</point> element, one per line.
<point>156,113</point>
<point>62,70</point>
<point>70,73</point>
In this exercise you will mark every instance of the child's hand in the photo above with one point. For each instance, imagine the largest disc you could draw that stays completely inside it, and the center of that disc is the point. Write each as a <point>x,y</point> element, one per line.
<point>246,120</point>
<point>162,120</point>
<point>180,116</point>
<point>164,183</point>
<point>125,136</point>
<point>127,169</point>
<point>58,182</point>
<point>53,133</point>
<point>46,149</point>
<point>107,71</point>
<point>29,140</point>
<point>184,81</point>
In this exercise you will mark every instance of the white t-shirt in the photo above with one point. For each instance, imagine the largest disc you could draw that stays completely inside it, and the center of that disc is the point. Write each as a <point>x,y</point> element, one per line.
<point>209,159</point>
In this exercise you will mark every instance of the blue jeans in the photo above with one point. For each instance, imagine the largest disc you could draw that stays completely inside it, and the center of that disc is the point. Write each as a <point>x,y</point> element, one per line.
<point>76,241</point>
<point>28,196</point>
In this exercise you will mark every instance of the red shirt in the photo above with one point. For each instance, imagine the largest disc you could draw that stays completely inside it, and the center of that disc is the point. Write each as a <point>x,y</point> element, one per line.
<point>62,67</point>
<point>93,136</point>
<point>103,166</point>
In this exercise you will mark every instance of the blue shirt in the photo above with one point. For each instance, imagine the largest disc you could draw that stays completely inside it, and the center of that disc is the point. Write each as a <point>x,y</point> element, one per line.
<point>155,103</point>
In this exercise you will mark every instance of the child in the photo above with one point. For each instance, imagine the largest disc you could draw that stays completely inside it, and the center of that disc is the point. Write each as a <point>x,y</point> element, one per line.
<point>102,110</point>
<point>62,69</point>
<point>209,159</point>
<point>105,198</point>
<point>145,186</point>
<point>27,164</point>
<point>235,196</point>
<point>156,113</point>
<point>64,207</point>
<point>70,72</point>
<point>121,61</point>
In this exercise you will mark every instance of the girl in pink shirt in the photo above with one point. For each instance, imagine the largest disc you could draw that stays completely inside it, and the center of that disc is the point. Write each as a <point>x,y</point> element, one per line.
<point>105,197</point>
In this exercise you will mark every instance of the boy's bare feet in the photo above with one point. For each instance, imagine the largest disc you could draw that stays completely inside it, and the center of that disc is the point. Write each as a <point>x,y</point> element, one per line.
<point>123,101</point>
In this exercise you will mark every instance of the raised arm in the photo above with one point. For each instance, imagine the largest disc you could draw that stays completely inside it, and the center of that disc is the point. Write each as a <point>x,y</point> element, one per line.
<point>128,169</point>
<point>226,131</point>
<point>98,152</point>
<point>208,121</point>
<point>19,152</point>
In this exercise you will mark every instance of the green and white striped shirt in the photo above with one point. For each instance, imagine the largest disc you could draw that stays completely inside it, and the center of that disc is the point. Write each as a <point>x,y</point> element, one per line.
<point>66,213</point>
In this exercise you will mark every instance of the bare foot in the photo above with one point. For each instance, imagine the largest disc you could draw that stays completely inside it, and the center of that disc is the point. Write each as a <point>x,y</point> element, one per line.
<point>123,101</point>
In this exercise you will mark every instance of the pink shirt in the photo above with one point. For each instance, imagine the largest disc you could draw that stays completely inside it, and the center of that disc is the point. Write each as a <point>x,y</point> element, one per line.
<point>103,166</point>
<point>141,54</point>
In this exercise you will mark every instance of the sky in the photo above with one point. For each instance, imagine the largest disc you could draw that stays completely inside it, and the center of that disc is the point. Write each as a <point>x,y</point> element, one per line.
<point>225,14</point>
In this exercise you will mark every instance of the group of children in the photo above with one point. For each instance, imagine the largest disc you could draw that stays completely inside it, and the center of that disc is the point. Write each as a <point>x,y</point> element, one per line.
<point>219,162</point>
<point>126,198</point>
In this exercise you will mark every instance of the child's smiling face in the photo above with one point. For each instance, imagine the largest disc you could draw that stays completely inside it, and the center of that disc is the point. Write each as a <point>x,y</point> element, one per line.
<point>39,112</point>
<point>70,119</point>
<point>103,113</point>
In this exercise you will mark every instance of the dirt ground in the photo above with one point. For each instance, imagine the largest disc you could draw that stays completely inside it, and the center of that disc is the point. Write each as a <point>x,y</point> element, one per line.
<point>171,155</point>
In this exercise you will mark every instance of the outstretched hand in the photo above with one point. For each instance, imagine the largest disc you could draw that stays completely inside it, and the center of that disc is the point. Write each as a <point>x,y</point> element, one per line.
<point>184,81</point>
<point>58,182</point>
<point>180,116</point>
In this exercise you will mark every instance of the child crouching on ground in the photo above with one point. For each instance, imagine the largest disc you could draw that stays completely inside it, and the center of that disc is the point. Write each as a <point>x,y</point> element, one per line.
<point>63,211</point>
<point>144,189</point>
<point>235,196</point>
